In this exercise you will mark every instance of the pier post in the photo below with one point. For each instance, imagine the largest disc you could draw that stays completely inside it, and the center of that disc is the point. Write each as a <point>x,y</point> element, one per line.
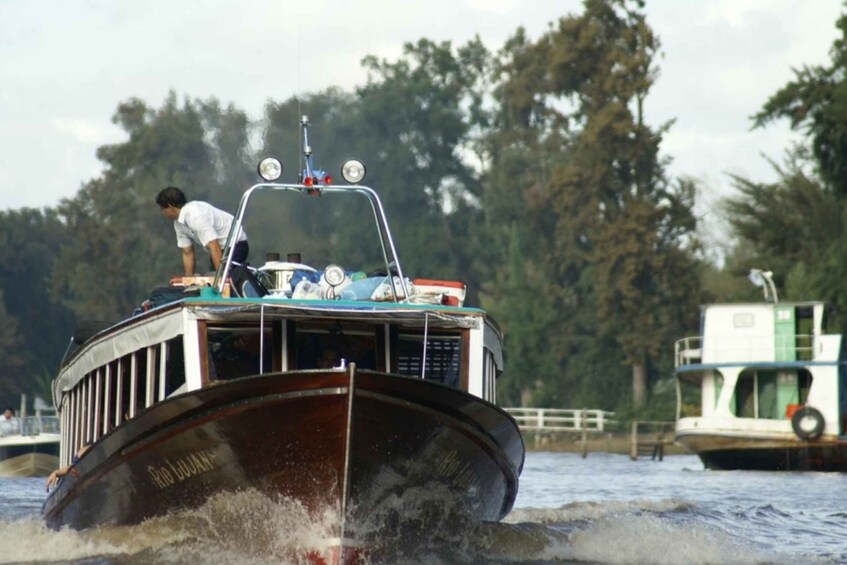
<point>583,421</point>
<point>633,442</point>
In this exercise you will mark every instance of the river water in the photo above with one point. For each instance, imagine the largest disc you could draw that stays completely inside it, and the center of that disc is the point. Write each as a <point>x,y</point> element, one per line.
<point>604,509</point>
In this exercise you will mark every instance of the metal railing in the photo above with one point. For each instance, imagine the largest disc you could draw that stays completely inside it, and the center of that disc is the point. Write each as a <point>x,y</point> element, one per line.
<point>32,426</point>
<point>689,350</point>
<point>552,420</point>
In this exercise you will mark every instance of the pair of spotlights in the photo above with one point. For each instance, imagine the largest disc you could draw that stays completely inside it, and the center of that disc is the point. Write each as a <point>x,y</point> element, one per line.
<point>270,169</point>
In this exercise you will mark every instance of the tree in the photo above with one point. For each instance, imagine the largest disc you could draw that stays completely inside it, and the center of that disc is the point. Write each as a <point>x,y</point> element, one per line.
<point>409,124</point>
<point>796,226</point>
<point>623,234</point>
<point>816,101</point>
<point>38,327</point>
<point>514,241</point>
<point>12,381</point>
<point>121,246</point>
<point>793,227</point>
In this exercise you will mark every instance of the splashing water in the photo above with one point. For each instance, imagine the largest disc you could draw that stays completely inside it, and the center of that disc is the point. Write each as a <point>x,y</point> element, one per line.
<point>602,510</point>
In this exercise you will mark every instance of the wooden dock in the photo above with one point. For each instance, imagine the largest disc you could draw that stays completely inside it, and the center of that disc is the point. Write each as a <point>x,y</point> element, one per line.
<point>650,438</point>
<point>584,430</point>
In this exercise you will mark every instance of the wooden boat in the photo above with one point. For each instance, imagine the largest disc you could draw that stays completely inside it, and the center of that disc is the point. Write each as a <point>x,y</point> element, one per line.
<point>215,393</point>
<point>763,388</point>
<point>32,449</point>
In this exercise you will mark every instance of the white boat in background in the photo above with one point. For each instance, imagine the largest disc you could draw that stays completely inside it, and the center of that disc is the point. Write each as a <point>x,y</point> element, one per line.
<point>34,450</point>
<point>764,387</point>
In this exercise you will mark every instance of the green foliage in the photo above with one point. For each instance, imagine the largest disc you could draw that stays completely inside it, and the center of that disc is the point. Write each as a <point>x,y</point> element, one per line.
<point>409,124</point>
<point>35,328</point>
<point>815,102</point>
<point>11,360</point>
<point>796,226</point>
<point>793,227</point>
<point>620,260</point>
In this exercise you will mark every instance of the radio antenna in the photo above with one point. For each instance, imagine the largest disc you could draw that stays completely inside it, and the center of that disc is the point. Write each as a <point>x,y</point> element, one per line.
<point>299,111</point>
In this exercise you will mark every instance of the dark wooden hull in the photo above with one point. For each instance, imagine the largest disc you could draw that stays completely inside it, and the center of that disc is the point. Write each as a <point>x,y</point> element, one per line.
<point>730,454</point>
<point>795,458</point>
<point>343,440</point>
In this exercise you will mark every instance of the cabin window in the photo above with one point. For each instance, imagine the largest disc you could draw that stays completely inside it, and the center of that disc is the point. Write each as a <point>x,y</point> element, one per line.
<point>105,404</point>
<point>120,389</point>
<point>125,378</point>
<point>768,394</point>
<point>690,390</point>
<point>152,375</point>
<point>97,427</point>
<point>489,376</point>
<point>325,347</point>
<point>743,320</point>
<point>805,322</point>
<point>174,366</point>
<point>236,351</point>
<point>140,379</point>
<point>804,383</point>
<point>441,360</point>
<point>86,406</point>
<point>745,395</point>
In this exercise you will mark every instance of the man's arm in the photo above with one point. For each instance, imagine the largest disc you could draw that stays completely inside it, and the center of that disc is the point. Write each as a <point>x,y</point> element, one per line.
<point>215,253</point>
<point>188,260</point>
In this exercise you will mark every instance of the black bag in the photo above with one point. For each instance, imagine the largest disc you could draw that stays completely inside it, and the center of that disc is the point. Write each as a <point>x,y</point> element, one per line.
<point>245,283</point>
<point>165,295</point>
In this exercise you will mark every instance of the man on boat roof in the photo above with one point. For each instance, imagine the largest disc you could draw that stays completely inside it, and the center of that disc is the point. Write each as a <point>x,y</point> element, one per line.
<point>200,222</point>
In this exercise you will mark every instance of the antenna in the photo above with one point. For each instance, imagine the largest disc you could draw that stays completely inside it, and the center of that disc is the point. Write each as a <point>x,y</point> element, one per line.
<point>299,111</point>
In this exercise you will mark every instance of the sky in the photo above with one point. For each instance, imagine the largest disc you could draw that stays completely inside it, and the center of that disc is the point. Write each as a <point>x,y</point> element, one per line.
<point>65,65</point>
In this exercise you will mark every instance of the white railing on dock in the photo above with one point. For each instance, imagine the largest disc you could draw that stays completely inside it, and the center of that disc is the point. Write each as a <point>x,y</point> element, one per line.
<point>552,420</point>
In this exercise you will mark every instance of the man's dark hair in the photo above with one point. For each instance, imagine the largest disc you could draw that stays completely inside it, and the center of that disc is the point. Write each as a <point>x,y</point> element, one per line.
<point>171,196</point>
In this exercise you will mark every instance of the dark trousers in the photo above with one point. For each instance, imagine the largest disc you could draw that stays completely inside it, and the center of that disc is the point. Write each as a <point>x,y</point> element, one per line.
<point>239,254</point>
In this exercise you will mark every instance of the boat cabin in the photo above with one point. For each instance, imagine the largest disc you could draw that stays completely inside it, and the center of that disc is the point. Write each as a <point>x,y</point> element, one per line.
<point>754,365</point>
<point>202,341</point>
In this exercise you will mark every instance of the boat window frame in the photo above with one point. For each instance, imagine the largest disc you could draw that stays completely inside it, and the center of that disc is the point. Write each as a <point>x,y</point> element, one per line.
<point>297,328</point>
<point>803,380</point>
<point>107,395</point>
<point>97,413</point>
<point>462,335</point>
<point>119,391</point>
<point>205,327</point>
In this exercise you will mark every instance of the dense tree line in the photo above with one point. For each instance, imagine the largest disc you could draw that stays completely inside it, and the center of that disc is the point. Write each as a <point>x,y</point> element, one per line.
<point>529,173</point>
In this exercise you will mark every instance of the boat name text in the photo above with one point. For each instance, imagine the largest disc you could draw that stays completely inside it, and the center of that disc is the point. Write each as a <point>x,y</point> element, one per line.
<point>459,474</point>
<point>169,472</point>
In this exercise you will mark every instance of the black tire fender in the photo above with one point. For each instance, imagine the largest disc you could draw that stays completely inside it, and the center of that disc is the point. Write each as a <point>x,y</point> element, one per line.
<point>807,423</point>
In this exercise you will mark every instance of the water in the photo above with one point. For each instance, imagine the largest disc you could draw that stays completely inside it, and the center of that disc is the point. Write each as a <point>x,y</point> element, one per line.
<point>604,509</point>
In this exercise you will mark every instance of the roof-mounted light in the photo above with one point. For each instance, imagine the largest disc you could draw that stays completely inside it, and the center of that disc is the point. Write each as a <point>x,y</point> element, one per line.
<point>334,275</point>
<point>270,168</point>
<point>353,171</point>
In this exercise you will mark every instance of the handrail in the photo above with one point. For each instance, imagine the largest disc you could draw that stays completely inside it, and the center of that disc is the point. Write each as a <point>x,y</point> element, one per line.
<point>689,350</point>
<point>385,239</point>
<point>561,420</point>
<point>33,426</point>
